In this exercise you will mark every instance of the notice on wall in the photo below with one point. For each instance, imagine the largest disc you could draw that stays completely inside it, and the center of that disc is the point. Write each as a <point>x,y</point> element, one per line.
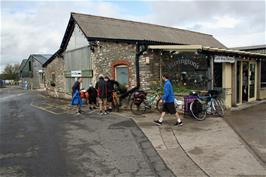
<point>76,73</point>
<point>224,59</point>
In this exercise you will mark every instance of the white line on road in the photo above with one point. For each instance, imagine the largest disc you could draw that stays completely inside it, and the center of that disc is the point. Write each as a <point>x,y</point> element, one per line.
<point>7,98</point>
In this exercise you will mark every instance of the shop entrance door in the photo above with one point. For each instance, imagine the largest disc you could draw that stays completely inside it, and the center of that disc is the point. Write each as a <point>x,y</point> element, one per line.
<point>245,81</point>
<point>238,82</point>
<point>252,77</point>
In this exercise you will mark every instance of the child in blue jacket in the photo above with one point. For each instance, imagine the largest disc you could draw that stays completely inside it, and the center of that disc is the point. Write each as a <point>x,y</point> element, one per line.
<point>168,100</point>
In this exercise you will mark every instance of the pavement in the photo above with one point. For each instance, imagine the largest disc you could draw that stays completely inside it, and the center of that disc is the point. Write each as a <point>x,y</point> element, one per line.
<point>207,148</point>
<point>230,146</point>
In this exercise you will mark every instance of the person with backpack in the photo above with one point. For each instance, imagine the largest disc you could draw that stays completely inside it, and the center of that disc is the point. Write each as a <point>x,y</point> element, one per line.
<point>102,94</point>
<point>168,99</point>
<point>76,100</point>
<point>92,92</point>
<point>110,86</point>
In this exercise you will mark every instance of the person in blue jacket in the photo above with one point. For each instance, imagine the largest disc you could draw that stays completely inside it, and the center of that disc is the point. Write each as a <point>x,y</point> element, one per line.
<point>168,100</point>
<point>76,100</point>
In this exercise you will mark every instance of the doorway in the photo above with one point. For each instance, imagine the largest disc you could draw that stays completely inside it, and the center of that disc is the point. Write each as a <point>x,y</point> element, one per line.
<point>245,88</point>
<point>121,75</point>
<point>252,81</point>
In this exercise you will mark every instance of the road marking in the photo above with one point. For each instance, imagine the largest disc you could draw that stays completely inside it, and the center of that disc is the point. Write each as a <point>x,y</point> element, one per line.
<point>41,108</point>
<point>2,99</point>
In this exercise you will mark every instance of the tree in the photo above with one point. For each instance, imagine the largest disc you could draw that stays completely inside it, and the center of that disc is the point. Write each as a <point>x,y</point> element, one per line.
<point>10,72</point>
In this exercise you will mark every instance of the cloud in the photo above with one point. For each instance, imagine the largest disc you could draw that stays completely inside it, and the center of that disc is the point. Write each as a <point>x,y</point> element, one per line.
<point>38,27</point>
<point>243,22</point>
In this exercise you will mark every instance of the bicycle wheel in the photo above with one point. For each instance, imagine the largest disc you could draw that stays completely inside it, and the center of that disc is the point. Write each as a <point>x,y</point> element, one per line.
<point>137,109</point>
<point>197,110</point>
<point>219,110</point>
<point>159,105</point>
<point>221,102</point>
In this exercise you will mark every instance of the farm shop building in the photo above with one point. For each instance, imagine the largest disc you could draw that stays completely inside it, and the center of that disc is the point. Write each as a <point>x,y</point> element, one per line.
<point>94,45</point>
<point>239,74</point>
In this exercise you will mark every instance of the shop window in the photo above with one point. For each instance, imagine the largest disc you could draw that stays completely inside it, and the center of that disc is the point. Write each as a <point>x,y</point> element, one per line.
<point>121,74</point>
<point>188,71</point>
<point>263,75</point>
<point>218,75</point>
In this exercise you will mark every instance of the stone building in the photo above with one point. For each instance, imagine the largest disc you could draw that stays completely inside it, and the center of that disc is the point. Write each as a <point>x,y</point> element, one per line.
<point>54,78</point>
<point>31,71</point>
<point>94,45</point>
<point>136,54</point>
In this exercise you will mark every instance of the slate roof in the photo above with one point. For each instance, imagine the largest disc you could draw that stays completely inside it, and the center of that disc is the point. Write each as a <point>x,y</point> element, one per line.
<point>22,64</point>
<point>42,58</point>
<point>96,27</point>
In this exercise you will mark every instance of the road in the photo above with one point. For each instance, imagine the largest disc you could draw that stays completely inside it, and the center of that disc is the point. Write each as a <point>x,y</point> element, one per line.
<point>250,125</point>
<point>37,139</point>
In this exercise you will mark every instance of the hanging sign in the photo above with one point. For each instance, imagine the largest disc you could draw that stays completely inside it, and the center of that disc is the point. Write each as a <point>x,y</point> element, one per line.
<point>224,59</point>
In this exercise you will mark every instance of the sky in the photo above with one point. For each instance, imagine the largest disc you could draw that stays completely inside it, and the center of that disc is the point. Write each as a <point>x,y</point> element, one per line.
<point>37,27</point>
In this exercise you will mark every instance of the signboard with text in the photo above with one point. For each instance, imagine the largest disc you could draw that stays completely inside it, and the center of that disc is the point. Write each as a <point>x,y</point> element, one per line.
<point>224,59</point>
<point>76,73</point>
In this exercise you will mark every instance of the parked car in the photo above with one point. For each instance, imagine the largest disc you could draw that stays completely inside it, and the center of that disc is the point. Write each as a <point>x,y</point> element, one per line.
<point>2,84</point>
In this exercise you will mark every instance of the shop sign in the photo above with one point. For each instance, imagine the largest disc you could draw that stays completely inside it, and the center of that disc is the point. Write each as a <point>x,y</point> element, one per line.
<point>76,73</point>
<point>224,59</point>
<point>184,62</point>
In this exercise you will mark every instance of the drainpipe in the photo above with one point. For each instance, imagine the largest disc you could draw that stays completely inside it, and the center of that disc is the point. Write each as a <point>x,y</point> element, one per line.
<point>139,52</point>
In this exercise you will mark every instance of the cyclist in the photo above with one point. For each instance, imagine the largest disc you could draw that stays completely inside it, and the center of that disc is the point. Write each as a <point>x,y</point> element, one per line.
<point>168,99</point>
<point>76,100</point>
<point>110,88</point>
<point>102,94</point>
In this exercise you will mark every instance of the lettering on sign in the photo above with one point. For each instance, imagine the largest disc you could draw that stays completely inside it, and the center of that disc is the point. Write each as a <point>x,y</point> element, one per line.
<point>75,73</point>
<point>184,62</point>
<point>224,59</point>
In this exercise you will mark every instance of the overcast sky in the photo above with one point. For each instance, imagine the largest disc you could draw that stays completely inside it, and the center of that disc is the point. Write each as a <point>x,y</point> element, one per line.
<point>29,27</point>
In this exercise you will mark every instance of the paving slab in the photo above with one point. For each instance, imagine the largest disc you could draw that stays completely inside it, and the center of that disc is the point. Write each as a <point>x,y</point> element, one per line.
<point>217,149</point>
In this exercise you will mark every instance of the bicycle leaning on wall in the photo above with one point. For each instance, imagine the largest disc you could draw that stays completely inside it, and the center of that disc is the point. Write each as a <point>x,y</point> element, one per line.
<point>143,102</point>
<point>204,105</point>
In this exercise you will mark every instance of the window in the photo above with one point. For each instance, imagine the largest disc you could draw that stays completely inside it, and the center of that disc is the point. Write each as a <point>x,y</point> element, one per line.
<point>29,65</point>
<point>53,77</point>
<point>121,74</point>
<point>263,75</point>
<point>186,70</point>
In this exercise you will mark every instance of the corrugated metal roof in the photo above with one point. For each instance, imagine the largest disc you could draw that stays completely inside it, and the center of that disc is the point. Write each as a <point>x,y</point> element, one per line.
<point>254,47</point>
<point>206,48</point>
<point>110,28</point>
<point>42,58</point>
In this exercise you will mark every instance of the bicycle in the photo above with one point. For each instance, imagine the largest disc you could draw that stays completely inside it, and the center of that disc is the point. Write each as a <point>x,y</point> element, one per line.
<point>142,103</point>
<point>204,105</point>
<point>178,104</point>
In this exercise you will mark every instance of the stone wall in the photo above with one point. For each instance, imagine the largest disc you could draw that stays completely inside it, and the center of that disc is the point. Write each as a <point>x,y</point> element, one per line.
<point>107,55</point>
<point>150,70</point>
<point>56,68</point>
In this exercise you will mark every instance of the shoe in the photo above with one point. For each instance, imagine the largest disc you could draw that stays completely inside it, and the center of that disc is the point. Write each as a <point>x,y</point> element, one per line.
<point>157,122</point>
<point>179,123</point>
<point>77,113</point>
<point>105,113</point>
